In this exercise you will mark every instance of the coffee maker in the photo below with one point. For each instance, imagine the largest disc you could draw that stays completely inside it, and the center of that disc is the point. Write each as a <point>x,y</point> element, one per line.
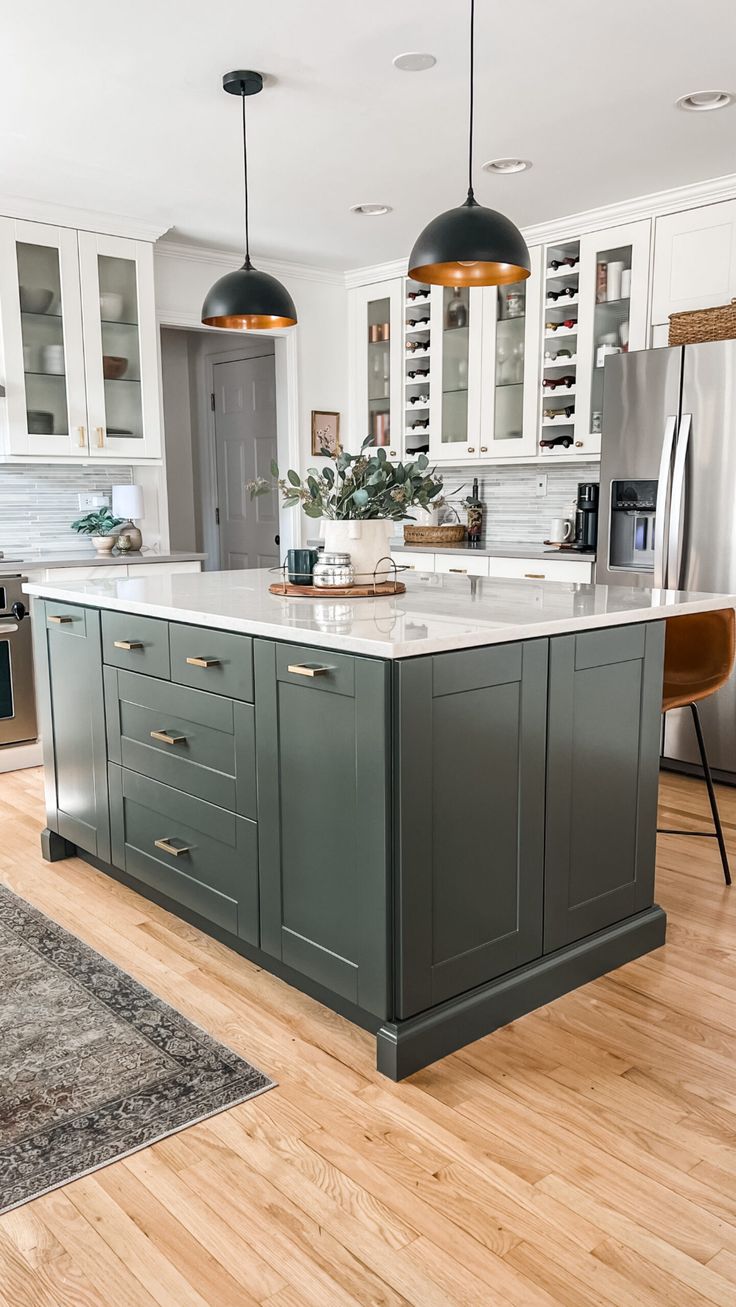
<point>585,536</point>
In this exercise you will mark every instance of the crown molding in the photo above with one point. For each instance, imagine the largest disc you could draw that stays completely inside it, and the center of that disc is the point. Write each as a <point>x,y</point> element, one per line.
<point>576,224</point>
<point>62,215</point>
<point>170,249</point>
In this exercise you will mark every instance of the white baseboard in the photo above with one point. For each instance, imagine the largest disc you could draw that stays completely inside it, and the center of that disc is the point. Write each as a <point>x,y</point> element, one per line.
<point>13,757</point>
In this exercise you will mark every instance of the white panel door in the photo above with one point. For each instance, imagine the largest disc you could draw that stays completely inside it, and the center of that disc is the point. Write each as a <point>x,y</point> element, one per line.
<point>42,340</point>
<point>694,260</point>
<point>245,445</point>
<point>120,346</point>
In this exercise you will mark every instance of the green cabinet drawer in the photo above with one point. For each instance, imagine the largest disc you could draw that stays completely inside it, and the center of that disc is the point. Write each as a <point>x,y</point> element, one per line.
<point>200,856</point>
<point>200,743</point>
<point>218,661</point>
<point>70,618</point>
<point>139,644</point>
<point>297,664</point>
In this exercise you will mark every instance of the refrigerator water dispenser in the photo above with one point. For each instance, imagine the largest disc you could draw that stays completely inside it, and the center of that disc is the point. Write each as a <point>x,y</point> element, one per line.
<point>632,525</point>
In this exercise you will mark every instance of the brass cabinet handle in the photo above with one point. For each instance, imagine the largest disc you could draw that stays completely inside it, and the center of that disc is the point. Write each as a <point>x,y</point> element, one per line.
<point>410,567</point>
<point>165,738</point>
<point>392,453</point>
<point>536,576</point>
<point>471,449</point>
<point>484,449</point>
<point>308,669</point>
<point>59,621</point>
<point>578,444</point>
<point>168,847</point>
<point>203,662</point>
<point>127,644</point>
<point>82,437</point>
<point>462,570</point>
<point>100,436</point>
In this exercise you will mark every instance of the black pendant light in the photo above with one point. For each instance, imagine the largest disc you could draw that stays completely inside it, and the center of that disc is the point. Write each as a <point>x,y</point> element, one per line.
<point>470,245</point>
<point>247,299</point>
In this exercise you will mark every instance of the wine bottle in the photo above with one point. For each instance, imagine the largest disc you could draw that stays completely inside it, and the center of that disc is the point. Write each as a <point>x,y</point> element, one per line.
<point>475,515</point>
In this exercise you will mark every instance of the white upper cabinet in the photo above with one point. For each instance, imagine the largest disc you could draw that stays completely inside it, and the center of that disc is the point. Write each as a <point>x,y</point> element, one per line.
<point>455,400</point>
<point>119,321</point>
<point>376,366</point>
<point>694,260</point>
<point>510,366</point>
<point>79,346</point>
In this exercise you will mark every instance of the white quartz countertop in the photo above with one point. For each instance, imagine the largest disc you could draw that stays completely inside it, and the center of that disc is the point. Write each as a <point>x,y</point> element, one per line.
<point>31,562</point>
<point>435,615</point>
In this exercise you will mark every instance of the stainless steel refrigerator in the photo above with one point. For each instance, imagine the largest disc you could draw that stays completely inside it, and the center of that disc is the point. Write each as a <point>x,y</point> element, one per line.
<point>668,499</point>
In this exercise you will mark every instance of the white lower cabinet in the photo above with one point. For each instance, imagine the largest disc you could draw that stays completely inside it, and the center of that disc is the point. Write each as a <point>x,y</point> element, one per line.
<point>110,571</point>
<point>466,564</point>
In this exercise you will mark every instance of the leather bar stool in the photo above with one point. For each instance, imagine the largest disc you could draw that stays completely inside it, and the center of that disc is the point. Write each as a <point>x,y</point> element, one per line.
<point>699,655</point>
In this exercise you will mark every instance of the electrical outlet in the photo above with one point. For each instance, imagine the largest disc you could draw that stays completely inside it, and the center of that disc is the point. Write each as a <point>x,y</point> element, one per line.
<point>89,501</point>
<point>540,487</point>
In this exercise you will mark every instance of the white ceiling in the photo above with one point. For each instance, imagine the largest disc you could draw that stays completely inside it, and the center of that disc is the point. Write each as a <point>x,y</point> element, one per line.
<point>119,108</point>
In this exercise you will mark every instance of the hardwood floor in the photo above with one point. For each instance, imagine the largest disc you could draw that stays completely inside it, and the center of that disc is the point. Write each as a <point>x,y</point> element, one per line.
<point>582,1157</point>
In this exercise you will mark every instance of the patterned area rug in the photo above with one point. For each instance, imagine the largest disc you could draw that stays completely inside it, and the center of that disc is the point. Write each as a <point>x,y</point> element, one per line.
<point>92,1065</point>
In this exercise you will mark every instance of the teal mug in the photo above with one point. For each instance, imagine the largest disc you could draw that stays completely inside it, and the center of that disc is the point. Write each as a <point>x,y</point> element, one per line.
<point>300,565</point>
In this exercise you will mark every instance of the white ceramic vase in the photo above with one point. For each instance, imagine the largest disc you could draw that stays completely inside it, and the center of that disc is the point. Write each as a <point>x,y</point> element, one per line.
<point>103,544</point>
<point>367,543</point>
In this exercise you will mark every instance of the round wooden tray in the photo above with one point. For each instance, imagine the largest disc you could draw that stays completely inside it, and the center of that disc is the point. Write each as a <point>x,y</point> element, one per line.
<point>373,590</point>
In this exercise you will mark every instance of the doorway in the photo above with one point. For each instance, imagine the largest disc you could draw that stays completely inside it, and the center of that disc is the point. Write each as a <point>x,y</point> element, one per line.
<point>226,402</point>
<point>244,408</point>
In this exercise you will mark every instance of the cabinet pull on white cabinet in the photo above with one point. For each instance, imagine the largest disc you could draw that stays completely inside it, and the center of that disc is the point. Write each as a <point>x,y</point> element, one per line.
<point>100,436</point>
<point>82,437</point>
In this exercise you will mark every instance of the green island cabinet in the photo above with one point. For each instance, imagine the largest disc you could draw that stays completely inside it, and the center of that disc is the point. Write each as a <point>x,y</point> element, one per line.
<point>432,846</point>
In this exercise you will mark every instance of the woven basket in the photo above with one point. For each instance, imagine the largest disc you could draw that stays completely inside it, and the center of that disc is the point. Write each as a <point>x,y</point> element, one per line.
<point>699,325</point>
<point>433,535</point>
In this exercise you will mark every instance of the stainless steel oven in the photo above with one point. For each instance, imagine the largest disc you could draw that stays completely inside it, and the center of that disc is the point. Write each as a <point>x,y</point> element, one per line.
<point>17,695</point>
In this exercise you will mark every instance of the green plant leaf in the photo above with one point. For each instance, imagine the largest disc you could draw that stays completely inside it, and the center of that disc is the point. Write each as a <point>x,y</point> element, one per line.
<point>274,468</point>
<point>294,477</point>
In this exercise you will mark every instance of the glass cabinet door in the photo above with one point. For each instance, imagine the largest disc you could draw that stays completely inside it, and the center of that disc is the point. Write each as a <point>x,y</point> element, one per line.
<point>377,343</point>
<point>613,317</point>
<point>456,318</point>
<point>42,332</point>
<point>511,367</point>
<point>120,346</point>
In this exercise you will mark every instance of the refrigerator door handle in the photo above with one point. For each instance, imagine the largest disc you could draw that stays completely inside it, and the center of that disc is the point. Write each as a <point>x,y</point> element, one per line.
<point>663,486</point>
<point>677,500</point>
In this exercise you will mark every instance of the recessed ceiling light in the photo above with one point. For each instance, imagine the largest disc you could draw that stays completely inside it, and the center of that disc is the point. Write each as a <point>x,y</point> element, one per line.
<point>370,210</point>
<point>702,101</point>
<point>507,165</point>
<point>414,62</point>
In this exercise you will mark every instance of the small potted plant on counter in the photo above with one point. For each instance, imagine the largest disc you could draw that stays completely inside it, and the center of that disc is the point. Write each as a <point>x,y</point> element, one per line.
<point>100,527</point>
<point>359,499</point>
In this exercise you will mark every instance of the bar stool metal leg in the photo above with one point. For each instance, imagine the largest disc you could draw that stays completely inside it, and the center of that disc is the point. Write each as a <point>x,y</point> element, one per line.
<point>711,793</point>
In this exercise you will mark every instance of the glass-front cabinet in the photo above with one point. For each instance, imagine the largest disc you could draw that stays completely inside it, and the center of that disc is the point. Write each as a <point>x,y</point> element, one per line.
<point>510,351</point>
<point>42,340</point>
<point>119,319</point>
<point>78,320</point>
<point>376,366</point>
<point>455,403</point>
<point>614,266</point>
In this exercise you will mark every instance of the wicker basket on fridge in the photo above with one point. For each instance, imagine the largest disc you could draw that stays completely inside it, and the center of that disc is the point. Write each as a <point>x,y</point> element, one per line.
<point>699,325</point>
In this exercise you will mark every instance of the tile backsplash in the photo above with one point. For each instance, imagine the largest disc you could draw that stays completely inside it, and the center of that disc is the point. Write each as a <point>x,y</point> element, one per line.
<point>515,514</point>
<point>38,505</point>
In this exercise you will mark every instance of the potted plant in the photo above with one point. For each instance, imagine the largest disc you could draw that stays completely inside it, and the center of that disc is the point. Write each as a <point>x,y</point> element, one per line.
<point>358,498</point>
<point>100,527</point>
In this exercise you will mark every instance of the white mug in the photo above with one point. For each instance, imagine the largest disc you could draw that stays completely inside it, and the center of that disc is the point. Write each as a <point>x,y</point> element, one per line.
<point>560,531</point>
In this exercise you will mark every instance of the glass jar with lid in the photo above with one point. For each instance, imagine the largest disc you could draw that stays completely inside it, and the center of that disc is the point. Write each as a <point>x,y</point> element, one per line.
<point>333,569</point>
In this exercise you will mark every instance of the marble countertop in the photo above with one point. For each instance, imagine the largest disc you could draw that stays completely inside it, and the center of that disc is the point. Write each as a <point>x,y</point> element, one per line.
<point>33,561</point>
<point>436,614</point>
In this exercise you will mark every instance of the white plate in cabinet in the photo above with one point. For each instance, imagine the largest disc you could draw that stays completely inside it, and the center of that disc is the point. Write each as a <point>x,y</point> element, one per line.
<point>543,569</point>
<point>461,564</point>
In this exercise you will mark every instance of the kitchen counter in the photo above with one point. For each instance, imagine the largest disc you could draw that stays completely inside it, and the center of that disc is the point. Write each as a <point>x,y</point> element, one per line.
<point>437,615</point>
<point>31,561</point>
<point>432,840</point>
<point>494,551</point>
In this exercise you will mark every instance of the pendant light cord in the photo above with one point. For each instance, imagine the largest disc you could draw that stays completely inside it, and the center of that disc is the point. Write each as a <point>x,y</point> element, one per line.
<point>245,183</point>
<point>472,97</point>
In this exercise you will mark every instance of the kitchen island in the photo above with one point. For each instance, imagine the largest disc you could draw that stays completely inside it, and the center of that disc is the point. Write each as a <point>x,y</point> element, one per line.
<point>433,812</point>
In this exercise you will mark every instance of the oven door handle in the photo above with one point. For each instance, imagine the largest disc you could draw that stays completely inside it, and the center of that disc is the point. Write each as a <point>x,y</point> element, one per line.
<point>7,626</point>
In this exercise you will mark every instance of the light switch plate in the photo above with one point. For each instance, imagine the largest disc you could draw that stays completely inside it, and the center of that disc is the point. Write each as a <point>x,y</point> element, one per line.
<point>540,488</point>
<point>89,501</point>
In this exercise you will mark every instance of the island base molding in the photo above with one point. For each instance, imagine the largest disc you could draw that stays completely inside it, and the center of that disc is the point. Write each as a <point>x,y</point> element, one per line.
<point>407,1046</point>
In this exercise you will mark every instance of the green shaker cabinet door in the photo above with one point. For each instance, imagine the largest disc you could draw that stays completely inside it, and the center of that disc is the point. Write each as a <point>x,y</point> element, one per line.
<point>323,769</point>
<point>470,773</point>
<point>605,693</point>
<point>71,706</point>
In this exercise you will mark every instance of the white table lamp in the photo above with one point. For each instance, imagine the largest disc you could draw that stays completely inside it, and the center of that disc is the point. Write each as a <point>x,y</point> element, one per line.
<point>127,502</point>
